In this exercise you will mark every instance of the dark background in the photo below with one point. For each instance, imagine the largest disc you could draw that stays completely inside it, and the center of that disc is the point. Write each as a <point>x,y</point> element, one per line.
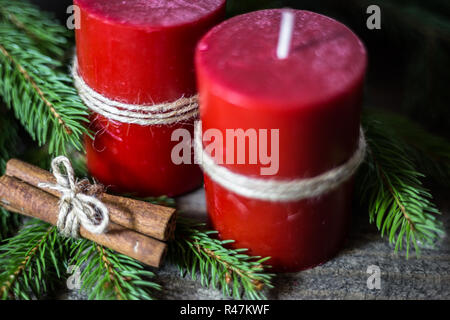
<point>409,58</point>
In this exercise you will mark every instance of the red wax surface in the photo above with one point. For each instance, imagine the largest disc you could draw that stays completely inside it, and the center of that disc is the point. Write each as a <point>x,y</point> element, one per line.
<point>314,98</point>
<point>141,52</point>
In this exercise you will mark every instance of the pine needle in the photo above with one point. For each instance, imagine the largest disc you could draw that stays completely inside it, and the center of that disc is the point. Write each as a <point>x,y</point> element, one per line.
<point>108,275</point>
<point>32,262</point>
<point>197,254</point>
<point>41,95</point>
<point>41,27</point>
<point>430,153</point>
<point>390,185</point>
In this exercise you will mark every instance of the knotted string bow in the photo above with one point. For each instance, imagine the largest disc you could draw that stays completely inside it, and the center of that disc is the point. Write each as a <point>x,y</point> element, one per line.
<point>75,207</point>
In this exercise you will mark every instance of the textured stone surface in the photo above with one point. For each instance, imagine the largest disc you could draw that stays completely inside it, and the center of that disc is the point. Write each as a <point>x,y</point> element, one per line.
<point>344,277</point>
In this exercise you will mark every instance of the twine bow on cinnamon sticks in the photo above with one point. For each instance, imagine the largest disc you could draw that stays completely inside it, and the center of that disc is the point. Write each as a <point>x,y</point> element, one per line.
<point>135,228</point>
<point>75,207</point>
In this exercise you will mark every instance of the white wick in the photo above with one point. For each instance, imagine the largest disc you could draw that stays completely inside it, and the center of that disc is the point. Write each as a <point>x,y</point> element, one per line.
<point>285,36</point>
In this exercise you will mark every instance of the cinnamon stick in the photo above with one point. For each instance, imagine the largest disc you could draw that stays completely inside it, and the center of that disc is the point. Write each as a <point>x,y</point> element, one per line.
<point>152,220</point>
<point>18,196</point>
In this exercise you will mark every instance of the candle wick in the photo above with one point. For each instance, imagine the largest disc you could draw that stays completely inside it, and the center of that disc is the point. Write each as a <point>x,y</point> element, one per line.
<point>285,36</point>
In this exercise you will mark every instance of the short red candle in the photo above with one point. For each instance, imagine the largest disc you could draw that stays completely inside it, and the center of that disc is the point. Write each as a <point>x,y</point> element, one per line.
<point>314,98</point>
<point>141,52</point>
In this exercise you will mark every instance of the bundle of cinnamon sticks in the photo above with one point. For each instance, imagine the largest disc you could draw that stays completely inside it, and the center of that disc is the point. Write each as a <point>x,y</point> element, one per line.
<point>137,229</point>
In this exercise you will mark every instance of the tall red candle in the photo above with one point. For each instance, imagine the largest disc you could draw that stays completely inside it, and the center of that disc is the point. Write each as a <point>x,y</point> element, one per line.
<point>314,98</point>
<point>141,52</point>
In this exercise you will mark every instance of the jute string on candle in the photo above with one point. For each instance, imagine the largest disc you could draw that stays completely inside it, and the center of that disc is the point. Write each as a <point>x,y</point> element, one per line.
<point>75,207</point>
<point>145,115</point>
<point>277,190</point>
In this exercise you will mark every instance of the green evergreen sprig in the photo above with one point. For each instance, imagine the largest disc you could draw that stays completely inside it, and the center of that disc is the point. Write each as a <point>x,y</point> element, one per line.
<point>198,254</point>
<point>48,34</point>
<point>37,87</point>
<point>110,275</point>
<point>390,185</point>
<point>429,152</point>
<point>32,262</point>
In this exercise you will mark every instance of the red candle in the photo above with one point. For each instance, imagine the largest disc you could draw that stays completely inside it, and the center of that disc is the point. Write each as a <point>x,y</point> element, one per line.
<point>313,96</point>
<point>141,52</point>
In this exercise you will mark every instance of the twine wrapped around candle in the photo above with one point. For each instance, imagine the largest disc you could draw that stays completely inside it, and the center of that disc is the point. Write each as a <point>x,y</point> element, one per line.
<point>277,190</point>
<point>145,115</point>
<point>75,207</point>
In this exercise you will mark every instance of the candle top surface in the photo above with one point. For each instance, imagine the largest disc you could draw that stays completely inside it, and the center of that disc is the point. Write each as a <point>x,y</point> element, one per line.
<point>239,56</point>
<point>150,13</point>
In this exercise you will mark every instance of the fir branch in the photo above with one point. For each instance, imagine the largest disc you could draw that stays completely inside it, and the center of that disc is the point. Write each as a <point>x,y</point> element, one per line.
<point>431,153</point>
<point>390,185</point>
<point>110,275</point>
<point>31,262</point>
<point>41,95</point>
<point>195,252</point>
<point>49,35</point>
